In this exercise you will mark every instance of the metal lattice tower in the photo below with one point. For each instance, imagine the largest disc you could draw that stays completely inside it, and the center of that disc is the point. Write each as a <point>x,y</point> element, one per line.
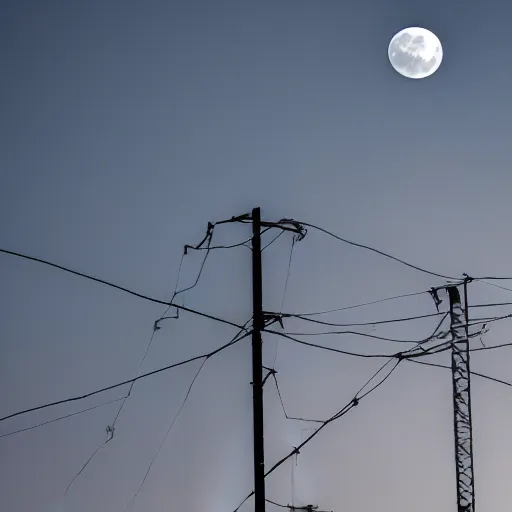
<point>462,402</point>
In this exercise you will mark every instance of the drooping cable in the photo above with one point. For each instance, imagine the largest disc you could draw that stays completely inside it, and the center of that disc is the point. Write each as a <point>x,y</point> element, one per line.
<point>395,297</point>
<point>377,251</point>
<point>117,287</point>
<point>284,408</point>
<point>61,418</point>
<point>342,412</point>
<point>477,374</point>
<point>129,381</point>
<point>360,324</point>
<point>288,270</point>
<point>167,433</point>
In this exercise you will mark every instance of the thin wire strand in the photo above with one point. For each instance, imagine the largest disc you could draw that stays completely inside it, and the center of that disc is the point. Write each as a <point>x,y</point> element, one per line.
<point>129,381</point>
<point>276,504</point>
<point>117,287</point>
<point>342,412</point>
<point>356,354</point>
<point>284,408</point>
<point>487,377</point>
<point>496,285</point>
<point>148,347</point>
<point>284,295</point>
<point>61,418</point>
<point>356,333</point>
<point>273,240</point>
<point>363,324</point>
<point>167,433</point>
<point>84,466</point>
<point>317,313</point>
<point>496,304</point>
<point>377,251</point>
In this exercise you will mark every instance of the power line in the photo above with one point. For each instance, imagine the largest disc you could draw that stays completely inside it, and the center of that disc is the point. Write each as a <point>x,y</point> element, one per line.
<point>353,403</point>
<point>356,333</point>
<point>361,324</point>
<point>112,428</point>
<point>317,313</point>
<point>284,408</point>
<point>497,304</point>
<point>129,381</point>
<point>61,418</point>
<point>495,285</point>
<point>377,251</point>
<point>483,376</point>
<point>279,235</point>
<point>86,464</point>
<point>117,287</point>
<point>284,294</point>
<point>398,355</point>
<point>167,433</point>
<point>276,504</point>
<point>356,354</point>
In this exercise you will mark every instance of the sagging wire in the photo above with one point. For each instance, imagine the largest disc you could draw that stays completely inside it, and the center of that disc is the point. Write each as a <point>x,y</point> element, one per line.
<point>377,251</point>
<point>284,408</point>
<point>239,336</point>
<point>167,434</point>
<point>342,412</point>
<point>156,327</point>
<point>109,436</point>
<point>477,374</point>
<point>433,336</point>
<point>295,238</point>
<point>355,324</point>
<point>62,417</point>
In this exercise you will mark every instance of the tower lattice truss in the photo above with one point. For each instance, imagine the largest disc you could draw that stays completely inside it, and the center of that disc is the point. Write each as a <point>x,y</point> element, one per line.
<point>462,406</point>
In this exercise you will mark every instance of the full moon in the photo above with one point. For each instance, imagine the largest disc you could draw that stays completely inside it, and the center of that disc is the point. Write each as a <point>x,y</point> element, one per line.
<point>415,52</point>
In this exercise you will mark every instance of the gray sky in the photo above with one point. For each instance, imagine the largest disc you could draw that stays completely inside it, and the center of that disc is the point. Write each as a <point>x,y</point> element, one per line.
<point>127,126</point>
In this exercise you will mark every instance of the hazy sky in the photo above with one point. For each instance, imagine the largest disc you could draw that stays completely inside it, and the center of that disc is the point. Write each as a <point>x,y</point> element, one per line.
<point>126,126</point>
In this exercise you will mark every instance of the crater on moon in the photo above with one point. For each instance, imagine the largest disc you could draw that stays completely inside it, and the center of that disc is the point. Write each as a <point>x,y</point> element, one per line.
<point>415,52</point>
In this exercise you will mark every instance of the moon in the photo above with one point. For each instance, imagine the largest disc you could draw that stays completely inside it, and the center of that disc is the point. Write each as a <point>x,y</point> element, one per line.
<point>415,52</point>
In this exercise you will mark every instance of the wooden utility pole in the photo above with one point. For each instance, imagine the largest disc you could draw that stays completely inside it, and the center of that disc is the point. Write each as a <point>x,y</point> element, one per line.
<point>257,365</point>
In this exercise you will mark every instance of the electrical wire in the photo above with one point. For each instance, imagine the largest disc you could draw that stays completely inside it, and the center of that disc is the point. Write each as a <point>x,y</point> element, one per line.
<point>477,374</point>
<point>129,381</point>
<point>117,287</point>
<point>61,418</point>
<point>355,333</point>
<point>317,313</point>
<point>167,433</point>
<point>497,304</point>
<point>284,408</point>
<point>495,285</point>
<point>150,343</point>
<point>356,354</point>
<point>85,465</point>
<point>276,504</point>
<point>342,412</point>
<point>487,278</point>
<point>284,294</point>
<point>492,347</point>
<point>361,324</point>
<point>377,251</point>
<point>279,235</point>
<point>112,428</point>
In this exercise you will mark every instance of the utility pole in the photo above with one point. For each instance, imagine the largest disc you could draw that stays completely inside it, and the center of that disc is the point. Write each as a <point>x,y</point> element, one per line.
<point>257,365</point>
<point>463,429</point>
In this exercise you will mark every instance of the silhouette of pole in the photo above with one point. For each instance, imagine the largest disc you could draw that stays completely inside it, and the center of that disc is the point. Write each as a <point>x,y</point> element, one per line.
<point>257,365</point>
<point>463,429</point>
